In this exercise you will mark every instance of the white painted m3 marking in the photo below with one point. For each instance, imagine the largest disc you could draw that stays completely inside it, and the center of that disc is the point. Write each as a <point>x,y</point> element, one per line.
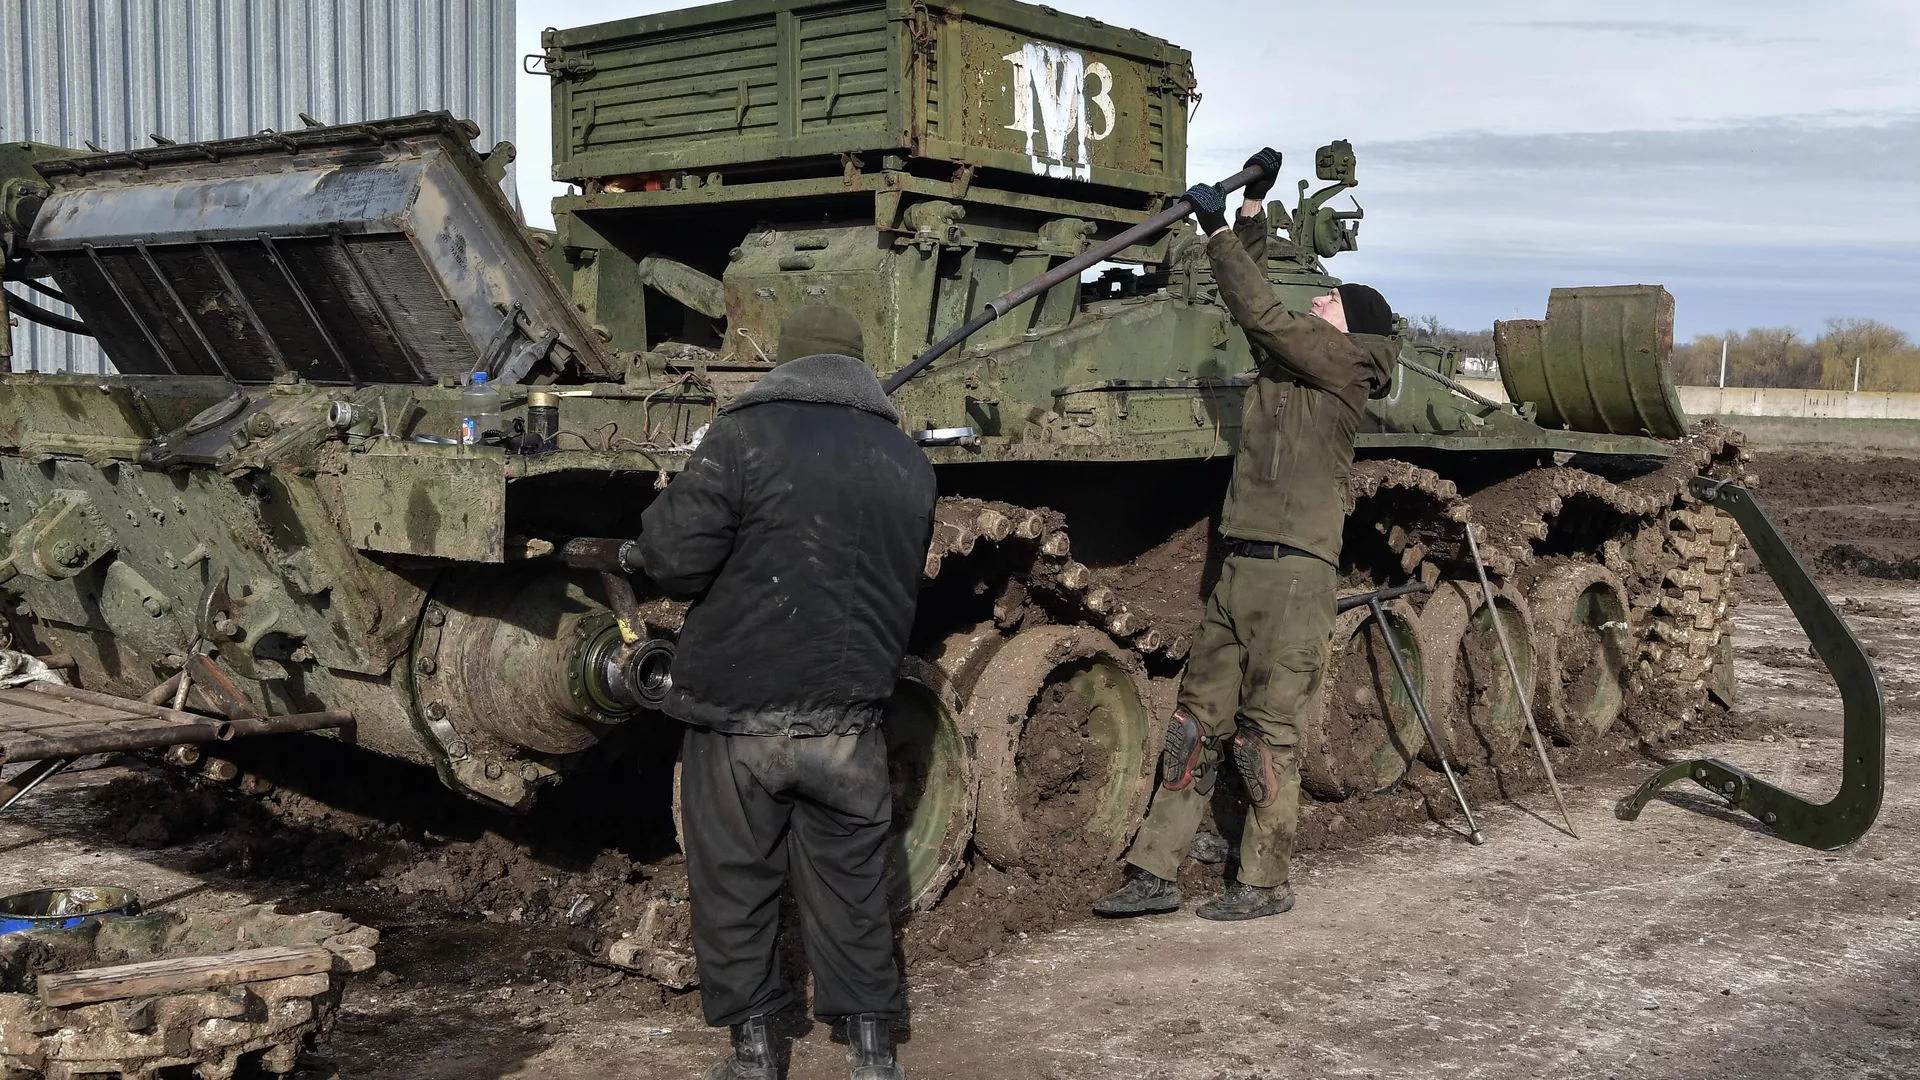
<point>1051,80</point>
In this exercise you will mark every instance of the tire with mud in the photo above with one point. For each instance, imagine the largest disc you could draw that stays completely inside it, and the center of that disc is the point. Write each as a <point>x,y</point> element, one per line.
<point>1060,720</point>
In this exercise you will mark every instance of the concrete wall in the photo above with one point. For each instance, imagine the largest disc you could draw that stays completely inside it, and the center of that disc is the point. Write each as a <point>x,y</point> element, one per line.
<point>1837,404</point>
<point>1829,434</point>
<point>1812,419</point>
<point>1770,401</point>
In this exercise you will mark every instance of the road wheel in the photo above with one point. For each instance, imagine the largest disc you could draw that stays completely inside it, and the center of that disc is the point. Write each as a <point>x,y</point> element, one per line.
<point>1472,699</point>
<point>1361,730</point>
<point>1580,613</point>
<point>934,788</point>
<point>1061,718</point>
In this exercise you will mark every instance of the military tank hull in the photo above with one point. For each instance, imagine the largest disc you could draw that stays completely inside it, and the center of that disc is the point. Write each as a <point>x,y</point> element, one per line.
<point>269,495</point>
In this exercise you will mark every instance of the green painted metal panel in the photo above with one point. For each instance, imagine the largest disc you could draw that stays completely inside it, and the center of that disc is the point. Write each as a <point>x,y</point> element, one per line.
<point>449,502</point>
<point>996,85</point>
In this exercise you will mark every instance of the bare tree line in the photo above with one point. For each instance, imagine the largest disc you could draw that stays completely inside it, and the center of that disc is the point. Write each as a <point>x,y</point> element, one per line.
<point>1780,356</point>
<point>1469,342</point>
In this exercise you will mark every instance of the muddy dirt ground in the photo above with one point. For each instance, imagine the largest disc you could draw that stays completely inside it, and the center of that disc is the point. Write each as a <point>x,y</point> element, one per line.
<point>1846,515</point>
<point>1685,944</point>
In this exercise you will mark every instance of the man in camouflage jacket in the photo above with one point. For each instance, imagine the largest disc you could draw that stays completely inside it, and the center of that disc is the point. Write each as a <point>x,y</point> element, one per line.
<point>1258,656</point>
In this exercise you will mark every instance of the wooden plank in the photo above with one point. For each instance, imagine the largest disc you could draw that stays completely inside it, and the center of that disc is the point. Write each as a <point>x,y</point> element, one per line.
<point>181,973</point>
<point>26,721</point>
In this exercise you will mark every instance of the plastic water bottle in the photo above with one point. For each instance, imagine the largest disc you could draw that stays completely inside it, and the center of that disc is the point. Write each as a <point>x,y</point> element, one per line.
<point>479,409</point>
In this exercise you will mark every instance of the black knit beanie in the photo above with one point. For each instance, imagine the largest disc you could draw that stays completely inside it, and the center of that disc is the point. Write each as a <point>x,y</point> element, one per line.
<point>820,328</point>
<point>1367,310</point>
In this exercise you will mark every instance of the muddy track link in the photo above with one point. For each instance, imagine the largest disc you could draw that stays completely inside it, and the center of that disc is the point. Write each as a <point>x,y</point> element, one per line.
<point>207,1033</point>
<point>1676,559</point>
<point>1043,559</point>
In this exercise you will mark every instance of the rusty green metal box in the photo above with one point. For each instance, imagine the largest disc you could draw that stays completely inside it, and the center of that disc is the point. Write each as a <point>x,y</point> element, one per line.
<point>988,83</point>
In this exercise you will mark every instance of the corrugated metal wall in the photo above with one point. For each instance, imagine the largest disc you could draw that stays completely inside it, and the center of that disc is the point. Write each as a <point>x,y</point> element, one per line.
<point>117,71</point>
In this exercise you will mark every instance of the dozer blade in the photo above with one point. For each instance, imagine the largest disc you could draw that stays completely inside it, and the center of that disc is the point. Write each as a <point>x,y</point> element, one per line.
<point>1847,816</point>
<point>1597,363</point>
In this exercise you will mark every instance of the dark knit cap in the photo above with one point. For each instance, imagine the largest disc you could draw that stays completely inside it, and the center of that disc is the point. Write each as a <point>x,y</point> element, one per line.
<point>1367,310</point>
<point>817,329</point>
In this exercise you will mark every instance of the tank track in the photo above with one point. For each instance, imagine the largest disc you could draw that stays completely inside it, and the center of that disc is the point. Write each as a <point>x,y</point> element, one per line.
<point>1037,541</point>
<point>1677,559</point>
<point>209,1034</point>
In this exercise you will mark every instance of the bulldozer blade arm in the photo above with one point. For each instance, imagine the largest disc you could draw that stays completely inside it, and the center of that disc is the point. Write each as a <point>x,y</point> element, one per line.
<point>1847,816</point>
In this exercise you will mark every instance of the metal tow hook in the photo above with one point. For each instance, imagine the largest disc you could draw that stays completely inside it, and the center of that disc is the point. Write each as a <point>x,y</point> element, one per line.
<point>1852,810</point>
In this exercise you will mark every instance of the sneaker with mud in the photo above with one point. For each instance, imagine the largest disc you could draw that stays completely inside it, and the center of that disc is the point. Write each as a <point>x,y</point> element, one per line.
<point>1145,893</point>
<point>1243,901</point>
<point>753,1054</point>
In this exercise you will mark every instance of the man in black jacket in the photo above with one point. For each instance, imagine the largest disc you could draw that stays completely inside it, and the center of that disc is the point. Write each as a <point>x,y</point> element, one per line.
<point>799,530</point>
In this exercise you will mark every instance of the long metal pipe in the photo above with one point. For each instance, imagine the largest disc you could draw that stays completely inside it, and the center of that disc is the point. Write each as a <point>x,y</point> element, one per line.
<point>290,723</point>
<point>1072,268</point>
<point>107,739</point>
<point>592,553</point>
<point>33,312</point>
<point>1348,603</point>
<point>1474,835</point>
<point>1513,670</point>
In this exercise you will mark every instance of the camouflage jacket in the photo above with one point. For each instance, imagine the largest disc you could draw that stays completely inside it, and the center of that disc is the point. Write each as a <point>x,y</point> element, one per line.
<point>1296,432</point>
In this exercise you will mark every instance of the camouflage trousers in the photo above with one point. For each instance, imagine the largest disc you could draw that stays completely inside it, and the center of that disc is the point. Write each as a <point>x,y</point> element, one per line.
<point>1254,666</point>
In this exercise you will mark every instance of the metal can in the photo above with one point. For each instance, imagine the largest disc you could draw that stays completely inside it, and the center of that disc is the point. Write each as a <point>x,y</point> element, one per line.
<point>56,909</point>
<point>543,419</point>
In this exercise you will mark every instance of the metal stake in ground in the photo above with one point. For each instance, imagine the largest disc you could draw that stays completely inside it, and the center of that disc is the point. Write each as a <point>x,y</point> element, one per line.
<point>1519,688</point>
<point>1420,709</point>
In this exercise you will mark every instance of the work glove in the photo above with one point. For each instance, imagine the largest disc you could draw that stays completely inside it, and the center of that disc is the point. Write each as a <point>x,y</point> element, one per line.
<point>1209,207</point>
<point>1269,161</point>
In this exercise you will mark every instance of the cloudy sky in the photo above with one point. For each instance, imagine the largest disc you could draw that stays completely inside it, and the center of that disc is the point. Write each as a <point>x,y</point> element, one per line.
<point>1760,158</point>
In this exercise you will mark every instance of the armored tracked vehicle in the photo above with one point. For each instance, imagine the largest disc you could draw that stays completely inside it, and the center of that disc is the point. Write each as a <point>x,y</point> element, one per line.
<point>270,497</point>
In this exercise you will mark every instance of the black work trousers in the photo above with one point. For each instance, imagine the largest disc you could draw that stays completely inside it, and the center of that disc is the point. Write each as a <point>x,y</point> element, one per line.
<point>758,808</point>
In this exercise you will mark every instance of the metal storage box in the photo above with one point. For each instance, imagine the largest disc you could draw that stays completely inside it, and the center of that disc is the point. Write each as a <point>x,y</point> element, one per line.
<point>990,84</point>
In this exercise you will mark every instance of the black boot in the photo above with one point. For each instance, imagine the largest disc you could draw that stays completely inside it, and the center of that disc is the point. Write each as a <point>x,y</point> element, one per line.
<point>753,1057</point>
<point>1243,901</point>
<point>1145,893</point>
<point>870,1048</point>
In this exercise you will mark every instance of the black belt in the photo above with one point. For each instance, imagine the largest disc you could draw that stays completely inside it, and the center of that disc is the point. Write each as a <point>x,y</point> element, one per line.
<point>1263,549</point>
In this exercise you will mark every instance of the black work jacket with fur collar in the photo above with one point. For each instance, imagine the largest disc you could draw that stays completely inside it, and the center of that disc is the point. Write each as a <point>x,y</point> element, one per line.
<point>799,530</point>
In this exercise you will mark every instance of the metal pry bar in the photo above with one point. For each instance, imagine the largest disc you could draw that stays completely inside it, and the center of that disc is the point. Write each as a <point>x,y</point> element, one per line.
<point>1372,600</point>
<point>1000,305</point>
<point>1519,687</point>
<point>1852,810</point>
